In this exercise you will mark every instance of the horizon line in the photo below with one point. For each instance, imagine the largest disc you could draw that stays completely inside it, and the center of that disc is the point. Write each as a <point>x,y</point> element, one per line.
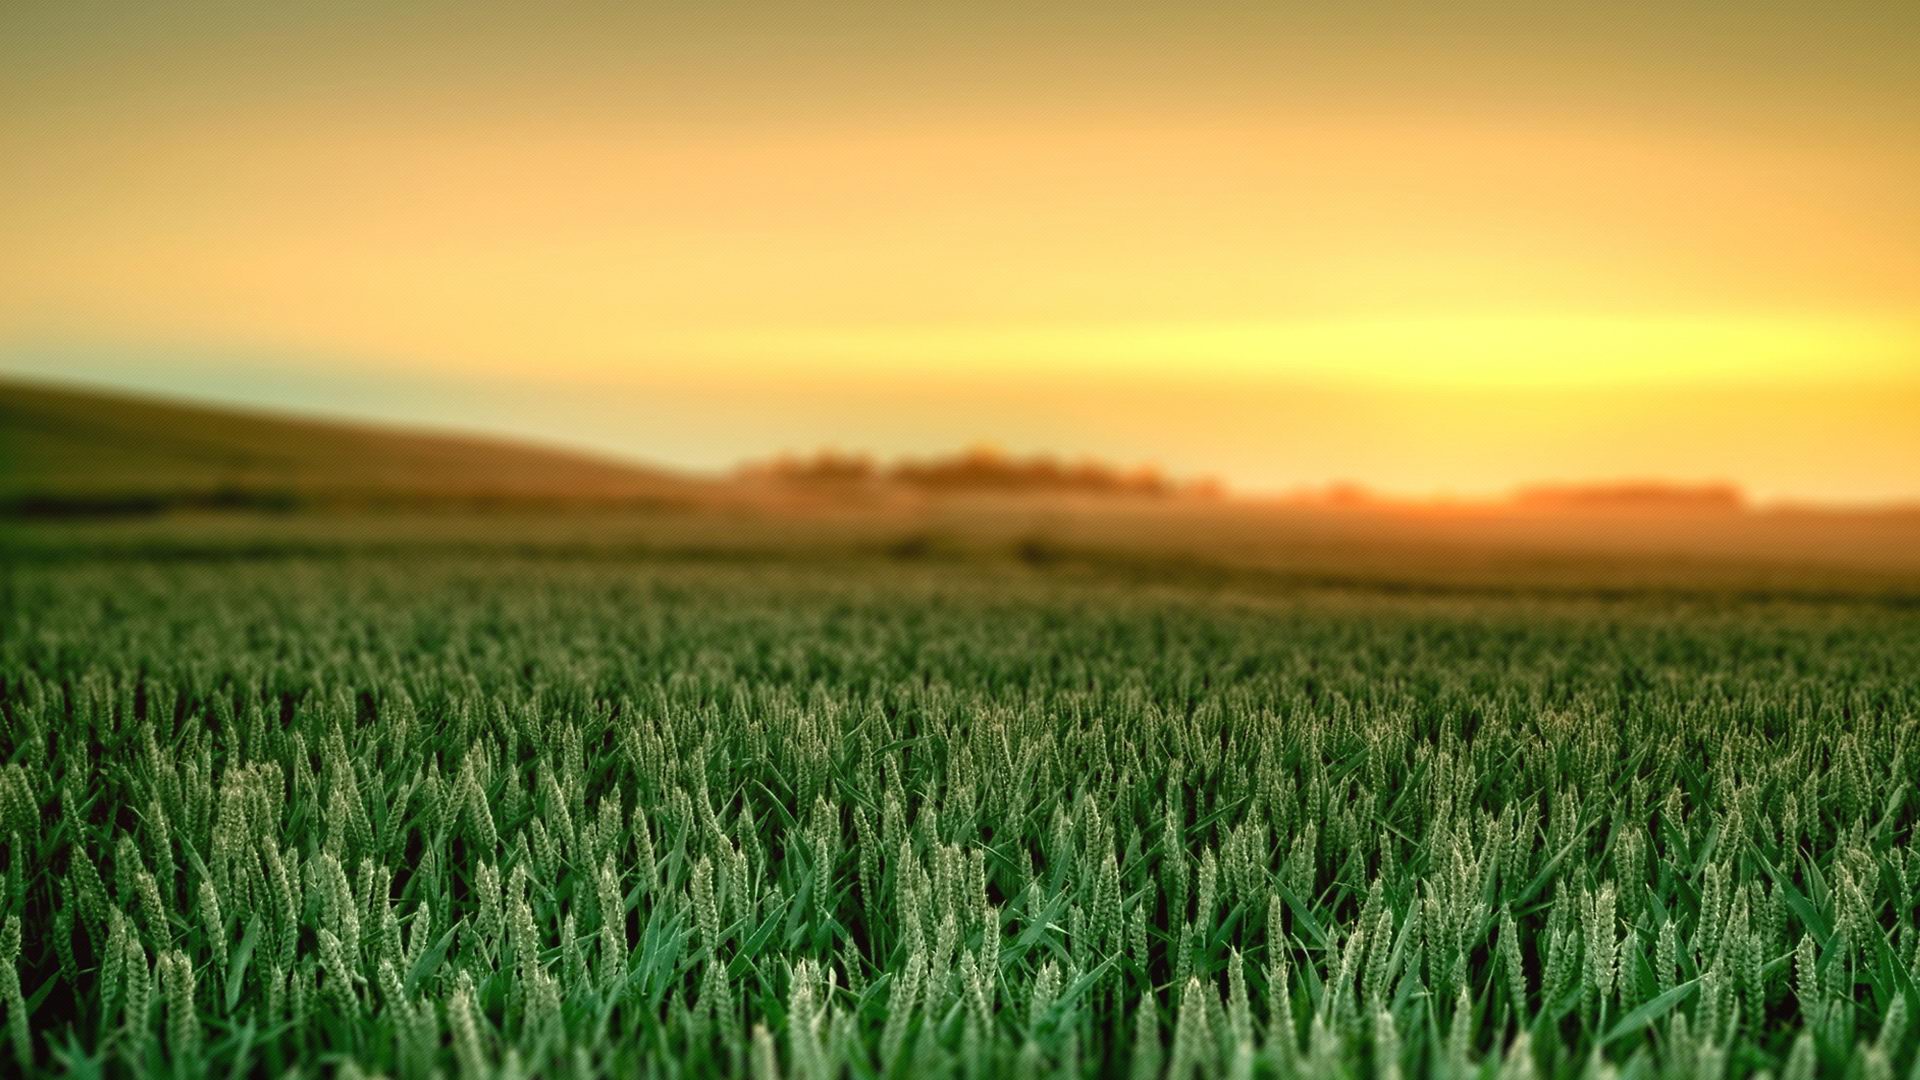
<point>1331,492</point>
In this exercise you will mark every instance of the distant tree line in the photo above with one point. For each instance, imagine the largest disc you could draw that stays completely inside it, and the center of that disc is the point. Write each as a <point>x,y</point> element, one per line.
<point>1649,495</point>
<point>978,469</point>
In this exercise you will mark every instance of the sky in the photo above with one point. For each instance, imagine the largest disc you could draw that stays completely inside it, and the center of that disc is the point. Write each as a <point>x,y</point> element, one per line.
<point>1435,249</point>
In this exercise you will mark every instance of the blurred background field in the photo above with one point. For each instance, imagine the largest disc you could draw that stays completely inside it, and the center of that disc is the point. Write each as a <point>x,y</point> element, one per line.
<point>91,471</point>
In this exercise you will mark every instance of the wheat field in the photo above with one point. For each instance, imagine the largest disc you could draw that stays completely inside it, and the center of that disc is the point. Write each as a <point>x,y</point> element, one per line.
<point>414,814</point>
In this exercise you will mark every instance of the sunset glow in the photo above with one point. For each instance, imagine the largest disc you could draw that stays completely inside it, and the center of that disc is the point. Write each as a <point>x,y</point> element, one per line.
<point>1433,254</point>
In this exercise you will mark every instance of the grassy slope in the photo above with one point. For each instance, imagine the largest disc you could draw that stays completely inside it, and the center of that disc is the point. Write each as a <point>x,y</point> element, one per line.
<point>77,451</point>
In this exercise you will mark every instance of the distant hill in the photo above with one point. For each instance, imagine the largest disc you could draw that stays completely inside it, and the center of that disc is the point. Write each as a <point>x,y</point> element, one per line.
<point>66,451</point>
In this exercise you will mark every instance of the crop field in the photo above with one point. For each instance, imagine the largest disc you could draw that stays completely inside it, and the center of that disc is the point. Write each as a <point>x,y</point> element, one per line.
<point>528,814</point>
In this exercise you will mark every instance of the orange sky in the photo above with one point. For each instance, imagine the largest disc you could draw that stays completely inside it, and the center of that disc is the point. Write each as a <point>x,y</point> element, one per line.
<point>1435,249</point>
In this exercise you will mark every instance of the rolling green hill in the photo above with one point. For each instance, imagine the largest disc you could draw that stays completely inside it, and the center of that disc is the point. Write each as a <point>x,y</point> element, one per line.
<point>74,452</point>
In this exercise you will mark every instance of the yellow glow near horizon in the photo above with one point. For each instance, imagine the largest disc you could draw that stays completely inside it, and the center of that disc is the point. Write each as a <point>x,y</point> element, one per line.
<point>877,227</point>
<point>1437,352</point>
